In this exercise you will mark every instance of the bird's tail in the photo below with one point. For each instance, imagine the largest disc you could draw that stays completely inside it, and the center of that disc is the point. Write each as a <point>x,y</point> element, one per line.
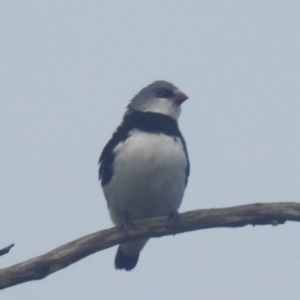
<point>125,262</point>
<point>128,254</point>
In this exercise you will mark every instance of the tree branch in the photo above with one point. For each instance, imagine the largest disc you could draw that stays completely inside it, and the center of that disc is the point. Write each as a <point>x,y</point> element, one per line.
<point>63,256</point>
<point>6,249</point>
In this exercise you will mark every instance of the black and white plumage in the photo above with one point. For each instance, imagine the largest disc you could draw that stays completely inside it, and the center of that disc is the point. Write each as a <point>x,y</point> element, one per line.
<point>144,167</point>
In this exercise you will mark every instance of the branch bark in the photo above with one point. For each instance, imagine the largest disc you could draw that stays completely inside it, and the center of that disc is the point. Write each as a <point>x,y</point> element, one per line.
<point>63,256</point>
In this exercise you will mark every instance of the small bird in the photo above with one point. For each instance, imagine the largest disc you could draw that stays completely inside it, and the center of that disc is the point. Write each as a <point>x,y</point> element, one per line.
<point>144,167</point>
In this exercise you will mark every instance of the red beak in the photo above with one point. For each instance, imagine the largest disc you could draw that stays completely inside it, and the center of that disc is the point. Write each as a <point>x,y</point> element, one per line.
<point>178,97</point>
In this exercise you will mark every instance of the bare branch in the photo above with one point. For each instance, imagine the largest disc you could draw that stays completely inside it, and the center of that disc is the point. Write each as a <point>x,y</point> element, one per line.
<point>6,249</point>
<point>61,257</point>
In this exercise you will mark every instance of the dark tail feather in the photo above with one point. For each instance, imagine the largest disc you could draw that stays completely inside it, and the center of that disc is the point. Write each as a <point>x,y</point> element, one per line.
<point>125,262</point>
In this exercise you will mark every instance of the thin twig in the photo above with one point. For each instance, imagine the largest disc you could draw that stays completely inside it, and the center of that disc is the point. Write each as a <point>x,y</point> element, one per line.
<point>6,249</point>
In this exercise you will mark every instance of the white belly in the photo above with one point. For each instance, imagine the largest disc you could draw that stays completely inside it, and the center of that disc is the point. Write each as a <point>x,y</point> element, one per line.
<point>148,177</point>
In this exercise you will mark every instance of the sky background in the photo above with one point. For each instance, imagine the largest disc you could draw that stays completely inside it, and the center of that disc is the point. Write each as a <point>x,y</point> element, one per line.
<point>68,70</point>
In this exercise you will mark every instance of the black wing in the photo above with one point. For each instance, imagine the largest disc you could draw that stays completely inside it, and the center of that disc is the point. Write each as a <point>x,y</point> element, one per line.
<point>107,156</point>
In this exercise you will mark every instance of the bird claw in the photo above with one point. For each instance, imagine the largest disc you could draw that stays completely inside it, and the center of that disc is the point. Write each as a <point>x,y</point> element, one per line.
<point>174,217</point>
<point>125,225</point>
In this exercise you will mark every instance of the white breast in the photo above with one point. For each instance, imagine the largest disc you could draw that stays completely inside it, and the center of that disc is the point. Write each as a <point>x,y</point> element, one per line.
<point>148,177</point>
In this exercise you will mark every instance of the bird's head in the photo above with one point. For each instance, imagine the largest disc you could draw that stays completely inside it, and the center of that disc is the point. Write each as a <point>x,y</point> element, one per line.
<point>158,97</point>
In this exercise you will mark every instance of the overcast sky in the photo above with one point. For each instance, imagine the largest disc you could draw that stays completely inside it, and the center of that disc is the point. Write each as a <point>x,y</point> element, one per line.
<point>68,70</point>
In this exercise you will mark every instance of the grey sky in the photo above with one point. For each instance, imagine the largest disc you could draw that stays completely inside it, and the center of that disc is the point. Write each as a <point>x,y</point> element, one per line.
<point>69,68</point>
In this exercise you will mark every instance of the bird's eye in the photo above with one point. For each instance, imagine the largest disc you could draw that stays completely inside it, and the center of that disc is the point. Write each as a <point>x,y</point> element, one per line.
<point>159,93</point>
<point>163,93</point>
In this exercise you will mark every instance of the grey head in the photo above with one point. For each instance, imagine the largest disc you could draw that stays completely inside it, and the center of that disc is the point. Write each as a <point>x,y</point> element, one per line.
<point>158,97</point>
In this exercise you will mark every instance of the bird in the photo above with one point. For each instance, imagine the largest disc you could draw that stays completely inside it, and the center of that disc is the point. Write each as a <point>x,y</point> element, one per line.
<point>144,167</point>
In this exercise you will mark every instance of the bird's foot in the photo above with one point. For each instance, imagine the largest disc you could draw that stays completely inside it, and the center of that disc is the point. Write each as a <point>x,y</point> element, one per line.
<point>174,216</point>
<point>126,224</point>
<point>123,226</point>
